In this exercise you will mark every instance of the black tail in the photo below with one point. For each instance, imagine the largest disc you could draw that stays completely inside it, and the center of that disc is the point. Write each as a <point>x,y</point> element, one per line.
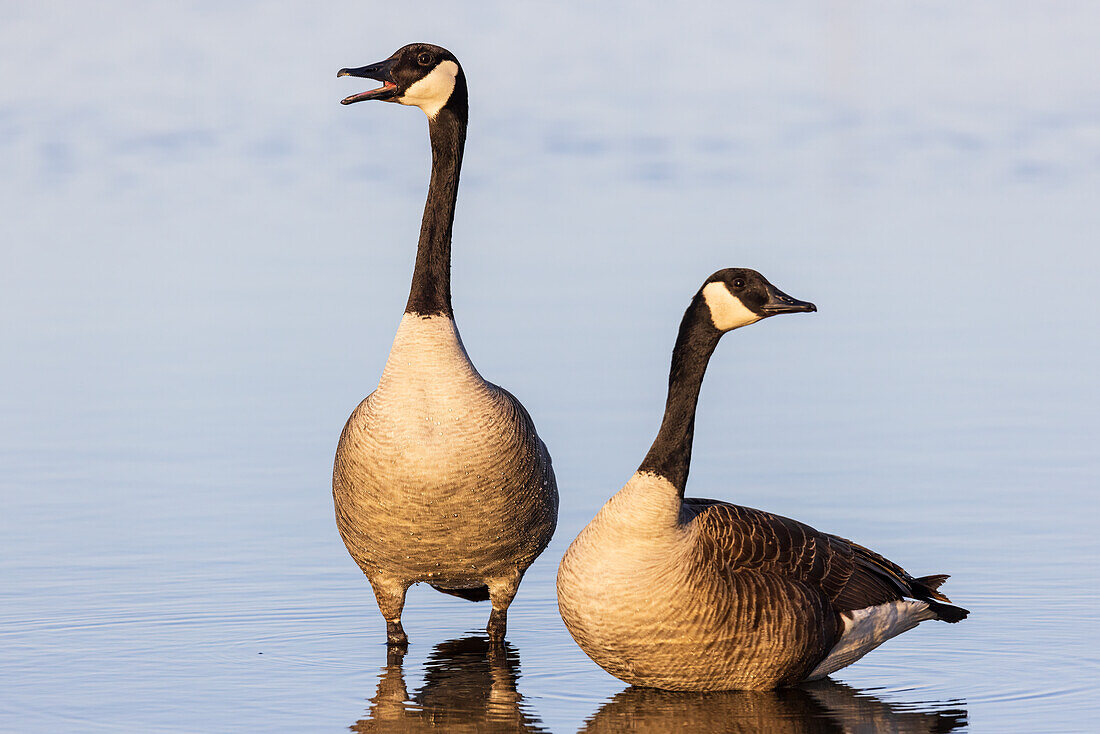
<point>948,612</point>
<point>478,593</point>
<point>926,589</point>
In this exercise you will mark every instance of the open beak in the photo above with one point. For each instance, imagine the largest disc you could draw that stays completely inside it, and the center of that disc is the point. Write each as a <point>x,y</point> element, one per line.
<point>779,302</point>
<point>381,72</point>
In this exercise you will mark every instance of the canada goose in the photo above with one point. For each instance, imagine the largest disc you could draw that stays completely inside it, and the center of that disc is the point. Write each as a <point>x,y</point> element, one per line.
<point>694,594</point>
<point>439,475</point>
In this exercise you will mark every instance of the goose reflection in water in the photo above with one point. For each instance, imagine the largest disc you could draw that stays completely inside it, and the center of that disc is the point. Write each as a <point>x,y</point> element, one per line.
<point>469,686</point>
<point>824,706</point>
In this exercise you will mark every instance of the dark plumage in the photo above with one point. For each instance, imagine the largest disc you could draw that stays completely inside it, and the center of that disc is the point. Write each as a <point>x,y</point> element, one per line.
<point>850,576</point>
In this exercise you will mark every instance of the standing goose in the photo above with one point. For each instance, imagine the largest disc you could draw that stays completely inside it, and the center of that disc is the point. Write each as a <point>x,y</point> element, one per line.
<point>694,594</point>
<point>439,475</point>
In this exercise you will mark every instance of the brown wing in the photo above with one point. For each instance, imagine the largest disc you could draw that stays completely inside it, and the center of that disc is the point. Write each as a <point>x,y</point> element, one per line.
<point>849,575</point>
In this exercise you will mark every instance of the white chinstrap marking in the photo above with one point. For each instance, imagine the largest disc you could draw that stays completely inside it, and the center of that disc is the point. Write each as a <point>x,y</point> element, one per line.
<point>726,310</point>
<point>433,91</point>
<point>865,629</point>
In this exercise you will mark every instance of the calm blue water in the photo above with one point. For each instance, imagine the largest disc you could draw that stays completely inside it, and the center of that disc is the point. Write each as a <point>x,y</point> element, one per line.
<point>205,258</point>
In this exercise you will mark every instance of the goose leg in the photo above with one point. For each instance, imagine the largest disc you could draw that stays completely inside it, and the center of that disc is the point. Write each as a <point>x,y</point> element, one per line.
<point>391,600</point>
<point>501,592</point>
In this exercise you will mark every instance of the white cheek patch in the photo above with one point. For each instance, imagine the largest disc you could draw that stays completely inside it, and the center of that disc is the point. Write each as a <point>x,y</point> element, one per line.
<point>726,310</point>
<point>433,91</point>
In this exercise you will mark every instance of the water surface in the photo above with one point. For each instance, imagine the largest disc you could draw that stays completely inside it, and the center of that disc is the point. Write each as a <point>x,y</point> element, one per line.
<point>205,259</point>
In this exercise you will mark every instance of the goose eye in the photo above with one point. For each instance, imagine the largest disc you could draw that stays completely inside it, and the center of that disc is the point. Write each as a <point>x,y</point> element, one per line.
<point>738,283</point>
<point>424,59</point>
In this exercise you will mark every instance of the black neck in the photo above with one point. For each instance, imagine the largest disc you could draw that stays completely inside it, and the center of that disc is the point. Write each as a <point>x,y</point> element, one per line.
<point>670,454</point>
<point>431,283</point>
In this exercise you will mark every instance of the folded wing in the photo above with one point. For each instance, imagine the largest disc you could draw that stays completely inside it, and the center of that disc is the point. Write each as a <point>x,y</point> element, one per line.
<point>734,538</point>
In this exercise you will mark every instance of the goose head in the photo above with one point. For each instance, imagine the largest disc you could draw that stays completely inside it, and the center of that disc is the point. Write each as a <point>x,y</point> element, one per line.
<point>420,75</point>
<point>738,297</point>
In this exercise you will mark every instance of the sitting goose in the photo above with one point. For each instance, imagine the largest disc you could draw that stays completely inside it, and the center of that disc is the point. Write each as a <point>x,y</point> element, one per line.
<point>694,594</point>
<point>439,475</point>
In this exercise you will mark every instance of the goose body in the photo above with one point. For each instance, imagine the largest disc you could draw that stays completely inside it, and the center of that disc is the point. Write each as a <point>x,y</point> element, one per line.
<point>694,594</point>
<point>440,476</point>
